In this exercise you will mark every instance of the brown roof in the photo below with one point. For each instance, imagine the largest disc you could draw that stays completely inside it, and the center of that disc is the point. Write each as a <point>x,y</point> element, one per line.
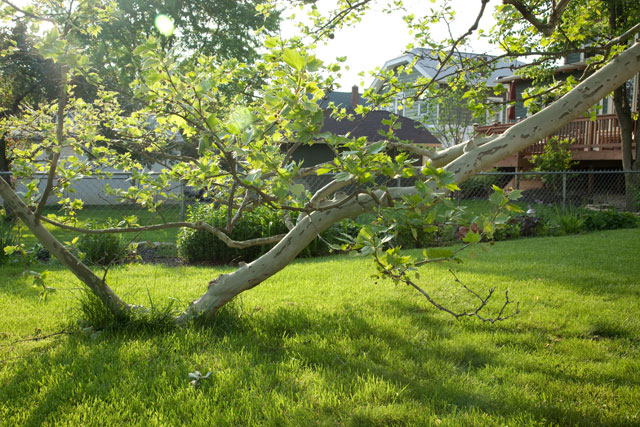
<point>368,126</point>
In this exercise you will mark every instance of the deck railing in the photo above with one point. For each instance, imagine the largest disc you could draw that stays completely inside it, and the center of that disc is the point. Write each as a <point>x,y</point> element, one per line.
<point>600,134</point>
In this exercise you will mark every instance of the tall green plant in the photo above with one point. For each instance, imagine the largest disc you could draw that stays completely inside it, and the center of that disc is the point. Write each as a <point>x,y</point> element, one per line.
<point>7,239</point>
<point>556,156</point>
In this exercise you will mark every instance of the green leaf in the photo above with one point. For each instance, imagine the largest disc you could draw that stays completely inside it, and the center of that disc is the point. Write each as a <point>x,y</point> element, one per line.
<point>212,121</point>
<point>515,194</point>
<point>433,253</point>
<point>343,176</point>
<point>271,42</point>
<point>9,250</point>
<point>314,64</point>
<point>471,237</point>
<point>514,208</point>
<point>496,199</point>
<point>294,59</point>
<point>297,190</point>
<point>239,120</point>
<point>376,147</point>
<point>204,145</point>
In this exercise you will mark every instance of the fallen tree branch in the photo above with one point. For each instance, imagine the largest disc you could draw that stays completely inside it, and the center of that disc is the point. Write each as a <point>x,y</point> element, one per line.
<point>198,225</point>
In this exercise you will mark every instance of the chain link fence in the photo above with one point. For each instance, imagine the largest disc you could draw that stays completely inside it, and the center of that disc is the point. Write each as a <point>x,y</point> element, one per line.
<point>604,188</point>
<point>104,204</point>
<point>561,189</point>
<point>599,189</point>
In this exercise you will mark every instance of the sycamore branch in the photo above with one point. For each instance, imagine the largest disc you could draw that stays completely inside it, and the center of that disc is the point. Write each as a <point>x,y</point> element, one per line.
<point>454,46</point>
<point>622,37</point>
<point>198,225</point>
<point>55,156</point>
<point>29,14</point>
<point>339,17</point>
<point>546,28</point>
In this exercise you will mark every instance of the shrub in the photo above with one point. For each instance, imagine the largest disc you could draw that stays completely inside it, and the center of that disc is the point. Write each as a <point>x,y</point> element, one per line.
<point>608,220</point>
<point>202,246</point>
<point>528,225</point>
<point>333,236</point>
<point>570,223</point>
<point>480,186</point>
<point>7,238</point>
<point>556,156</point>
<point>102,249</point>
<point>522,225</point>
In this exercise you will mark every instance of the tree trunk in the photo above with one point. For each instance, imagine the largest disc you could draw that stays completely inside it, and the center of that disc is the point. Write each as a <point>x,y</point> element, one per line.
<point>227,286</point>
<point>542,124</point>
<point>62,254</point>
<point>623,112</point>
<point>463,164</point>
<point>4,171</point>
<point>617,19</point>
<point>463,161</point>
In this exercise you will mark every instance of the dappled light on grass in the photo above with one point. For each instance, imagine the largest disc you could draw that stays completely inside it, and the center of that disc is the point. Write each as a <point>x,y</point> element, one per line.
<point>322,342</point>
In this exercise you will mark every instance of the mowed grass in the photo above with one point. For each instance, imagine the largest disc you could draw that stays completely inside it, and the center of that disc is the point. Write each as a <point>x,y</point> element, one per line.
<point>322,343</point>
<point>100,216</point>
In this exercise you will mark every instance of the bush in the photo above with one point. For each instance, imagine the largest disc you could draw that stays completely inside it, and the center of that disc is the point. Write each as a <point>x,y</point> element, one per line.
<point>102,249</point>
<point>528,225</point>
<point>480,186</point>
<point>608,220</point>
<point>520,226</point>
<point>7,238</point>
<point>333,236</point>
<point>570,223</point>
<point>556,156</point>
<point>202,246</point>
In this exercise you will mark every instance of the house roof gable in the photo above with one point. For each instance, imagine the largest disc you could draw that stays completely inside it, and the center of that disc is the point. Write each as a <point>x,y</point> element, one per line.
<point>368,126</point>
<point>428,64</point>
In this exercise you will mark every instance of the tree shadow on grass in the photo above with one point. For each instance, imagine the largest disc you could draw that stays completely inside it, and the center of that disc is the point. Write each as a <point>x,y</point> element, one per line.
<point>14,283</point>
<point>272,364</point>
<point>580,267</point>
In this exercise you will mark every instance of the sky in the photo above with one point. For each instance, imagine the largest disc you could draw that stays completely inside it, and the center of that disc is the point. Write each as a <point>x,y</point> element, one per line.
<point>381,37</point>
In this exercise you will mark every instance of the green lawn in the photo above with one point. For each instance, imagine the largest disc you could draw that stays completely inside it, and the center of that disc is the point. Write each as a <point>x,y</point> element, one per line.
<point>322,343</point>
<point>100,215</point>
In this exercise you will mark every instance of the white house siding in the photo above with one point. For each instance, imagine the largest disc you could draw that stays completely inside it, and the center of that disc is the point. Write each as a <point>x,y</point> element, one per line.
<point>91,190</point>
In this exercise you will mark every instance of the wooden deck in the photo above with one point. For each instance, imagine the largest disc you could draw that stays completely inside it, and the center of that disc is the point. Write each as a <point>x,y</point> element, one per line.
<point>598,140</point>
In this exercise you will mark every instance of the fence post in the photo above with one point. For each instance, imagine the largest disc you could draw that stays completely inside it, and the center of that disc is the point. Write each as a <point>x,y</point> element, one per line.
<point>182,201</point>
<point>564,191</point>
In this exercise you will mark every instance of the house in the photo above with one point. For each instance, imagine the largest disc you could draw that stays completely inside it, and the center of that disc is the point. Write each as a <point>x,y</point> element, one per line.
<point>348,100</point>
<point>367,126</point>
<point>451,121</point>
<point>596,144</point>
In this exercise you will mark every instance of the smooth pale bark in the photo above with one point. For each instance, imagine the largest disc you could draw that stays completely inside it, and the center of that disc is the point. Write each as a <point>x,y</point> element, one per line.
<point>535,128</point>
<point>465,161</point>
<point>226,286</point>
<point>66,258</point>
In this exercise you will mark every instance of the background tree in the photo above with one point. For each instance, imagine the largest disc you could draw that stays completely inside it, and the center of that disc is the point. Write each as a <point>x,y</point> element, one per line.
<point>241,163</point>
<point>225,29</point>
<point>26,81</point>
